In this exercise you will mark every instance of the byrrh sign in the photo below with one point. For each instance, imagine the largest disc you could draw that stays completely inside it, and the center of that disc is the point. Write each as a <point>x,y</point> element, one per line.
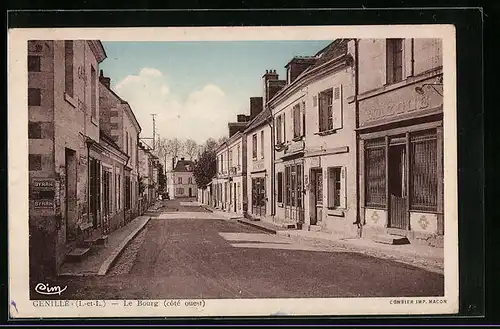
<point>402,103</point>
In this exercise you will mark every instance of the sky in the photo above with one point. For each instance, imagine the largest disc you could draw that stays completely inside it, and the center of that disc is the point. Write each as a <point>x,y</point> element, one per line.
<point>195,88</point>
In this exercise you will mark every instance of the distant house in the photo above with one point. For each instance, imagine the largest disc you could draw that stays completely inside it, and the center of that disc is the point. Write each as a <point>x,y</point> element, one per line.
<point>180,180</point>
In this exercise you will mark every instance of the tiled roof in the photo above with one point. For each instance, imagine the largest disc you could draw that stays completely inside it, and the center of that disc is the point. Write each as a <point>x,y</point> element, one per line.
<point>259,120</point>
<point>182,166</point>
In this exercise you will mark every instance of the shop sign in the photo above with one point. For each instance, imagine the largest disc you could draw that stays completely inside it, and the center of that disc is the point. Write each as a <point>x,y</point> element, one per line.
<point>315,162</point>
<point>399,102</point>
<point>295,147</point>
<point>43,192</point>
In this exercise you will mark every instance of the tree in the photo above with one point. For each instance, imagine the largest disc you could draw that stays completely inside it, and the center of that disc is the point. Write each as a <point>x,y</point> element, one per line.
<point>190,148</point>
<point>211,145</point>
<point>169,148</point>
<point>205,169</point>
<point>161,177</point>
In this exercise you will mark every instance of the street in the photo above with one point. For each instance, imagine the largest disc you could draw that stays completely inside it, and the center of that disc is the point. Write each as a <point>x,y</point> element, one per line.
<point>202,257</point>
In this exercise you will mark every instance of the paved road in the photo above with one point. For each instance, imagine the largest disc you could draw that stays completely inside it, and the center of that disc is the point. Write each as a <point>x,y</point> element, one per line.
<point>212,258</point>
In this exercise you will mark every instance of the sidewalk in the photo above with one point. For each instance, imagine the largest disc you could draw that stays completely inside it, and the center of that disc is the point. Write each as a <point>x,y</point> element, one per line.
<point>223,214</point>
<point>100,260</point>
<point>430,258</point>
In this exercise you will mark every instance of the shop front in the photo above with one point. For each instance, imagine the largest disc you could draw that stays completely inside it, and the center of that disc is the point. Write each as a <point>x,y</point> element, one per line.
<point>401,163</point>
<point>290,185</point>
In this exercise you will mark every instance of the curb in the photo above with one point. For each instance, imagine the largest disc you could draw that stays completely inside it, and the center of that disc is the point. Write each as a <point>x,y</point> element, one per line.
<point>207,208</point>
<point>429,263</point>
<point>268,230</point>
<point>114,255</point>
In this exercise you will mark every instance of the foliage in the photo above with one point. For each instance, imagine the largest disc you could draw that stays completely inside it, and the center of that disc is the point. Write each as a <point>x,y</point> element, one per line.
<point>161,177</point>
<point>205,169</point>
<point>190,148</point>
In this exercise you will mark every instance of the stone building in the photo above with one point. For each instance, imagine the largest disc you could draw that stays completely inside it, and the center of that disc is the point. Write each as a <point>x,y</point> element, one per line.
<point>119,122</point>
<point>400,127</point>
<point>221,180</point>
<point>146,164</point>
<point>180,180</point>
<point>63,132</point>
<point>259,161</point>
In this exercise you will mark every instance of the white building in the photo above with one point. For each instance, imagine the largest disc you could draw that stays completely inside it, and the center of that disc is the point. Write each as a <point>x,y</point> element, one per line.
<point>180,180</point>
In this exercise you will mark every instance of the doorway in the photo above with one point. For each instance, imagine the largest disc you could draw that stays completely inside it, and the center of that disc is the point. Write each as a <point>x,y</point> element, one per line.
<point>317,195</point>
<point>70,172</point>
<point>190,192</point>
<point>397,181</point>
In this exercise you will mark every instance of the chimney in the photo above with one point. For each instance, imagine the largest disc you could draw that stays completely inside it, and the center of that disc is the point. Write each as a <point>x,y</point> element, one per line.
<point>296,66</point>
<point>104,80</point>
<point>242,118</point>
<point>268,76</point>
<point>273,87</point>
<point>256,106</point>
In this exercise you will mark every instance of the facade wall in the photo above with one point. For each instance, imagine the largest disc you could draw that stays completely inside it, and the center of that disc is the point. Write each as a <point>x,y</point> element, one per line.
<point>259,167</point>
<point>59,128</point>
<point>402,123</point>
<point>326,152</point>
<point>181,190</point>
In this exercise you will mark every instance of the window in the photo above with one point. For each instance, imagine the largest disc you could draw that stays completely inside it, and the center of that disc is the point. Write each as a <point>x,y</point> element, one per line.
<point>222,162</point>
<point>330,109</point>
<point>68,67</point>
<point>375,174</point>
<point>34,63</point>
<point>254,146</point>
<point>238,154</point>
<point>127,193</point>
<point>180,190</point>
<point>262,144</point>
<point>424,175</point>
<point>35,162</point>
<point>34,97</point>
<point>279,183</point>
<point>297,131</point>
<point>336,187</point>
<point>190,179</point>
<point>93,100</point>
<point>34,130</point>
<point>126,142</point>
<point>287,186</point>
<point>394,60</point>
<point>325,110</point>
<point>179,180</point>
<point>279,129</point>
<point>230,158</point>
<point>303,118</point>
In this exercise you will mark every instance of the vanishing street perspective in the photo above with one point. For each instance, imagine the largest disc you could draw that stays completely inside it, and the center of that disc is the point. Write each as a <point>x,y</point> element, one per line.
<point>236,169</point>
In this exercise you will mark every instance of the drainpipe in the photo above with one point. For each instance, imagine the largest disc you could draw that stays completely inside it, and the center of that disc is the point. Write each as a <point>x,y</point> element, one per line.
<point>271,174</point>
<point>358,221</point>
<point>412,56</point>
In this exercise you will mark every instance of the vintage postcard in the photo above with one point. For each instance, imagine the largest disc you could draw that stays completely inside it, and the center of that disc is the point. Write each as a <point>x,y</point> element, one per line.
<point>225,171</point>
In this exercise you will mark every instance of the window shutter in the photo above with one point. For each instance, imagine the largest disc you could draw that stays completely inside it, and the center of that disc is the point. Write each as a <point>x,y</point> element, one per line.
<point>343,194</point>
<point>337,107</point>
<point>331,187</point>
<point>284,129</point>
<point>303,118</point>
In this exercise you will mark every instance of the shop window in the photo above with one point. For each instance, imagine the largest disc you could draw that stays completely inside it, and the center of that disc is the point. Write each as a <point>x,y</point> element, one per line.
<point>34,63</point>
<point>375,179</point>
<point>424,175</point>
<point>287,186</point>
<point>336,187</point>
<point>34,97</point>
<point>394,60</point>
<point>279,184</point>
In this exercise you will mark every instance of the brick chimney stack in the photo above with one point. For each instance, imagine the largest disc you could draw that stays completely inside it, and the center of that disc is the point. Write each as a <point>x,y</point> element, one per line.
<point>270,75</point>
<point>256,106</point>
<point>105,80</point>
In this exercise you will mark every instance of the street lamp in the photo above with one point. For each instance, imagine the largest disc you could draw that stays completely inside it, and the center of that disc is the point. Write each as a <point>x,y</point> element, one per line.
<point>439,82</point>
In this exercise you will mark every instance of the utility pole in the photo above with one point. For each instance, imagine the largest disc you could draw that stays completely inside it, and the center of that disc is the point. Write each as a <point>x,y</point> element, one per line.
<point>154,130</point>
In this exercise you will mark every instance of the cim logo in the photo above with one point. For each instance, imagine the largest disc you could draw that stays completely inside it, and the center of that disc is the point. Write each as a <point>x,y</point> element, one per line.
<point>46,289</point>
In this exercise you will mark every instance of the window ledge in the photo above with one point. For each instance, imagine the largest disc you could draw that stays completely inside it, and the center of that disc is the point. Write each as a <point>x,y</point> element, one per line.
<point>299,138</point>
<point>336,212</point>
<point>327,132</point>
<point>70,100</point>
